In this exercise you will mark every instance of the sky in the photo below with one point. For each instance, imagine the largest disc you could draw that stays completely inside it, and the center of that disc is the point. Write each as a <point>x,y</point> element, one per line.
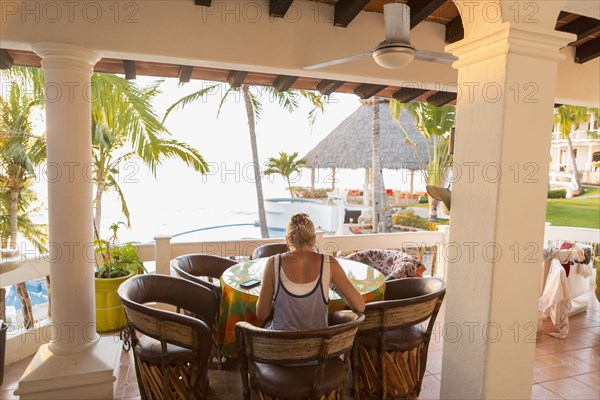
<point>179,199</point>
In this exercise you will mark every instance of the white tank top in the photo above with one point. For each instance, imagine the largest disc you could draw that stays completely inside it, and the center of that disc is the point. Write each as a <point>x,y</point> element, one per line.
<point>300,289</point>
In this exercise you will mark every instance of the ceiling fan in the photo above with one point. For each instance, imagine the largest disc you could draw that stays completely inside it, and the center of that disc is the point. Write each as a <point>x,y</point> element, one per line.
<point>395,51</point>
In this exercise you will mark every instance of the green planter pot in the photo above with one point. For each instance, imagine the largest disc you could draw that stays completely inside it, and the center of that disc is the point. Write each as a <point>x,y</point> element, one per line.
<point>110,314</point>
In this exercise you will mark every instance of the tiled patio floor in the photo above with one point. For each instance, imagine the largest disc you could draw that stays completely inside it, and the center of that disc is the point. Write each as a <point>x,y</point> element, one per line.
<point>564,368</point>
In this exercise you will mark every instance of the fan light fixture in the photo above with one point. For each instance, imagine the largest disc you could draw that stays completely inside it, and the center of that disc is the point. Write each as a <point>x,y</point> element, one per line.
<point>396,51</point>
<point>395,56</point>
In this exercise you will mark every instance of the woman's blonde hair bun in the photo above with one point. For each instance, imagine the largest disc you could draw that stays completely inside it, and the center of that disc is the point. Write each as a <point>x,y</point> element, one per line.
<point>301,230</point>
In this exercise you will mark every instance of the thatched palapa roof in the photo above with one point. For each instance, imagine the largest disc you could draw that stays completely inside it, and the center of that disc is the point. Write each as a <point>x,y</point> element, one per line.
<point>349,144</point>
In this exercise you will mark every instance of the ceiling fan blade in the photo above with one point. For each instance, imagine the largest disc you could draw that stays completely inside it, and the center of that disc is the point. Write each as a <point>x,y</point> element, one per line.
<point>432,56</point>
<point>339,61</point>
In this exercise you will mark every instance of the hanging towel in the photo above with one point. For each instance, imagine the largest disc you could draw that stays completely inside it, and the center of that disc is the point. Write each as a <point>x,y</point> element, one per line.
<point>556,300</point>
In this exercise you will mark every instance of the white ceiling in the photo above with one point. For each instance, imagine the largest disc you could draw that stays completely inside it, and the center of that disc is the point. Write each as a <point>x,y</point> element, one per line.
<point>589,8</point>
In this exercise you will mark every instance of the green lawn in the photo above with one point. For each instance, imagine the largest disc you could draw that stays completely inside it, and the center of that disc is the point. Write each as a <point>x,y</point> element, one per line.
<point>582,213</point>
<point>572,212</point>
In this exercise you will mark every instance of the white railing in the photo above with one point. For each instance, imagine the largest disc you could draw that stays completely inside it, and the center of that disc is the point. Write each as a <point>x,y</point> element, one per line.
<point>579,135</point>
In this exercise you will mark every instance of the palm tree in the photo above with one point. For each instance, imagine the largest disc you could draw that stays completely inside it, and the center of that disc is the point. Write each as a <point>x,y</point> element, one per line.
<point>285,165</point>
<point>434,123</point>
<point>20,154</point>
<point>569,117</point>
<point>288,100</point>
<point>125,127</point>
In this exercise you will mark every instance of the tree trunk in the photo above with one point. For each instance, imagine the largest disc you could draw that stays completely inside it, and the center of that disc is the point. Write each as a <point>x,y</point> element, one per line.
<point>21,288</point>
<point>433,206</point>
<point>574,164</point>
<point>262,217</point>
<point>384,218</point>
<point>98,204</point>
<point>290,188</point>
<point>26,304</point>
<point>3,304</point>
<point>14,217</point>
<point>375,165</point>
<point>49,287</point>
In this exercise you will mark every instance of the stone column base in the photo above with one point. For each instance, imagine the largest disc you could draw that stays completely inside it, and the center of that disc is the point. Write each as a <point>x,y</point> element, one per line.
<point>91,374</point>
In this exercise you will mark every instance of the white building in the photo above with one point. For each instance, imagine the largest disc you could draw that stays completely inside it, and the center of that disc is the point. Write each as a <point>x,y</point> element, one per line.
<point>586,145</point>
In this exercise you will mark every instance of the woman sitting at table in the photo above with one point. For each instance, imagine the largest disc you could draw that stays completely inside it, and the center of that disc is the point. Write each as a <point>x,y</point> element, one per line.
<point>295,285</point>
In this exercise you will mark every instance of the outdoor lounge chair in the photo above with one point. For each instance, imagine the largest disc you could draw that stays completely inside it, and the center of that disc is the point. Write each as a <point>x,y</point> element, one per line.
<point>171,356</point>
<point>390,350</point>
<point>297,365</point>
<point>206,270</point>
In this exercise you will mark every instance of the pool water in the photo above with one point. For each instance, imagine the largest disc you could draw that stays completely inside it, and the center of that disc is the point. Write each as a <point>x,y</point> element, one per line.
<point>38,294</point>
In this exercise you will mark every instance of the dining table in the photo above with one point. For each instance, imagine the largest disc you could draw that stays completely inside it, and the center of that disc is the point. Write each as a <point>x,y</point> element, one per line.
<point>239,303</point>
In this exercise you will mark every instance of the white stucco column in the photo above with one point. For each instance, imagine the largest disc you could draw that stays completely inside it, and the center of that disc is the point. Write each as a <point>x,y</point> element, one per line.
<point>76,364</point>
<point>507,71</point>
<point>67,72</point>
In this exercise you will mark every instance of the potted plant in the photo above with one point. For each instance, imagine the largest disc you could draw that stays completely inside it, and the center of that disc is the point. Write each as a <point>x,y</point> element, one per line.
<point>116,264</point>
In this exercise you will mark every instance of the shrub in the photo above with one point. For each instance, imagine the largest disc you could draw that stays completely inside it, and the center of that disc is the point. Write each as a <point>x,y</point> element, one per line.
<point>308,193</point>
<point>557,194</point>
<point>410,219</point>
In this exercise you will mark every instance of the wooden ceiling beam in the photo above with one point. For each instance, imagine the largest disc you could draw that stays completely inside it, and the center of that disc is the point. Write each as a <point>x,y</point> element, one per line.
<point>129,69</point>
<point>441,98</point>
<point>407,94</point>
<point>236,78</point>
<point>327,87</point>
<point>185,73</point>
<point>283,82</point>
<point>347,10</point>
<point>454,30</point>
<point>582,27</point>
<point>278,8</point>
<point>421,9</point>
<point>562,15</point>
<point>6,61</point>
<point>587,51</point>
<point>366,90</point>
<point>205,3</point>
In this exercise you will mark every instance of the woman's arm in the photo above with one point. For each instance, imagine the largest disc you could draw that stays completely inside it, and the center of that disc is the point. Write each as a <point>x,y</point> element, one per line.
<point>264,305</point>
<point>346,290</point>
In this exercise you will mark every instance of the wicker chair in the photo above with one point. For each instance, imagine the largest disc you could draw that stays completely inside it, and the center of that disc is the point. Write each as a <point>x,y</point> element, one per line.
<point>268,250</point>
<point>296,365</point>
<point>390,349</point>
<point>171,356</point>
<point>393,264</point>
<point>206,270</point>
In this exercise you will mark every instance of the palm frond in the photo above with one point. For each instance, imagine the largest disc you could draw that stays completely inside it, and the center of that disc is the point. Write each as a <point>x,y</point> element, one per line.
<point>189,99</point>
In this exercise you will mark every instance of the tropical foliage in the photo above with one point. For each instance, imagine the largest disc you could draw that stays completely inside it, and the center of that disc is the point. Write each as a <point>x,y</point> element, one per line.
<point>21,153</point>
<point>568,118</point>
<point>126,127</point>
<point>288,100</point>
<point>286,165</point>
<point>435,124</point>
<point>116,260</point>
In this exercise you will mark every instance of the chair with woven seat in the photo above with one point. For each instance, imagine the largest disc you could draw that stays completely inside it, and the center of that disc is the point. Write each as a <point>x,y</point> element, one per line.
<point>172,353</point>
<point>206,270</point>
<point>394,264</point>
<point>268,250</point>
<point>297,365</point>
<point>390,350</point>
